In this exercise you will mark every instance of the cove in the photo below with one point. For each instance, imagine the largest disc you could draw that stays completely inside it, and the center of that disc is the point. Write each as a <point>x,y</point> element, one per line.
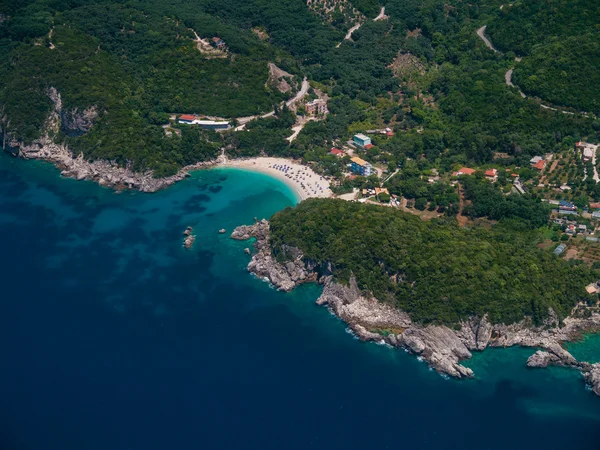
<point>114,336</point>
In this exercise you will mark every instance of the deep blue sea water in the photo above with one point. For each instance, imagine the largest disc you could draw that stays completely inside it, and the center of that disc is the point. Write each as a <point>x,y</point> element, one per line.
<point>115,337</point>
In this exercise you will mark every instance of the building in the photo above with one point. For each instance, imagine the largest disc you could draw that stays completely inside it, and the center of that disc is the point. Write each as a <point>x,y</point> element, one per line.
<point>536,159</point>
<point>464,171</point>
<point>558,250</point>
<point>317,107</point>
<point>218,42</point>
<point>337,152</point>
<point>362,140</point>
<point>566,206</point>
<point>596,215</point>
<point>361,167</point>
<point>187,119</point>
<point>212,124</point>
<point>539,165</point>
<point>595,205</point>
<point>492,175</point>
<point>591,289</point>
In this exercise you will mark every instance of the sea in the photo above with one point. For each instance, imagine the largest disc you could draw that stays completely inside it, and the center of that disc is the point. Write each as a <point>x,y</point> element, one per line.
<point>113,336</point>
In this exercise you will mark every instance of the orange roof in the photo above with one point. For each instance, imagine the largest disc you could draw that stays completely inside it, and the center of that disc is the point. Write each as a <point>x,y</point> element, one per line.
<point>381,191</point>
<point>359,161</point>
<point>466,171</point>
<point>490,172</point>
<point>539,165</point>
<point>187,117</point>
<point>336,151</point>
<point>595,205</point>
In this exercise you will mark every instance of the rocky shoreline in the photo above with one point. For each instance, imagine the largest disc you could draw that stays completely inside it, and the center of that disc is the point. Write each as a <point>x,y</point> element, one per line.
<point>442,347</point>
<point>105,173</point>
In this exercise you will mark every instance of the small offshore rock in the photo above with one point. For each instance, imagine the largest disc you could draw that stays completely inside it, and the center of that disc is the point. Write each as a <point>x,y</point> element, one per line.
<point>189,241</point>
<point>247,251</point>
<point>222,231</point>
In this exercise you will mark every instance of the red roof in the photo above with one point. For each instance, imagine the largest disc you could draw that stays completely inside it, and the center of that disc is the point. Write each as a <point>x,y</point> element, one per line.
<point>368,146</point>
<point>539,165</point>
<point>336,151</point>
<point>467,171</point>
<point>490,173</point>
<point>187,117</point>
<point>390,133</point>
<point>595,205</point>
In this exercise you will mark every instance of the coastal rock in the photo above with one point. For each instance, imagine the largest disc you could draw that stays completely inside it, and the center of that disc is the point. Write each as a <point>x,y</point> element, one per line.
<point>263,264</point>
<point>592,377</point>
<point>441,347</point>
<point>188,242</point>
<point>106,173</point>
<point>476,333</point>
<point>554,355</point>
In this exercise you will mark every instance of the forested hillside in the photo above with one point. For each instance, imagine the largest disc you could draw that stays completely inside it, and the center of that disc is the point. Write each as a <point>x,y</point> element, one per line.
<point>560,42</point>
<point>421,71</point>
<point>435,271</point>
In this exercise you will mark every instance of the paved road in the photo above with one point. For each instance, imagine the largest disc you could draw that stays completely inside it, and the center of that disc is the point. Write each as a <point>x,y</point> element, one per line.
<point>242,121</point>
<point>488,44</point>
<point>381,15</point>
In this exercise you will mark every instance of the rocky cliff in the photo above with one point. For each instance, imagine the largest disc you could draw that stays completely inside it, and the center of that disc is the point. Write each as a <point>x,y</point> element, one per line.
<point>106,173</point>
<point>442,347</point>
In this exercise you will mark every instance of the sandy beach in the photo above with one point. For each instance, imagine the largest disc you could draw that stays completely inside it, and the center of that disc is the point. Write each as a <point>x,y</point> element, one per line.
<point>302,179</point>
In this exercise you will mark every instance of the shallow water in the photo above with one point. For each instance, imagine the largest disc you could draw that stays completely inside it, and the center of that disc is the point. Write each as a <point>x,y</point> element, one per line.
<point>115,337</point>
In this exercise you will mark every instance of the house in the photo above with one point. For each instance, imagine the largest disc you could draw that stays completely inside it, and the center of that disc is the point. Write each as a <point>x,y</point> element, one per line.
<point>381,191</point>
<point>536,159</point>
<point>566,206</point>
<point>539,165</point>
<point>558,250</point>
<point>588,150</point>
<point>596,215</point>
<point>362,140</point>
<point>570,229</point>
<point>218,42</point>
<point>591,289</point>
<point>464,171</point>
<point>492,175</point>
<point>317,107</point>
<point>361,167</point>
<point>595,205</point>
<point>337,152</point>
<point>186,118</point>
<point>582,228</point>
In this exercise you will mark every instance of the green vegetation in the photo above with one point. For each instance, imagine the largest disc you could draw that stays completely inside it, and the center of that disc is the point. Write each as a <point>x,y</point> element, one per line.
<point>435,271</point>
<point>423,72</point>
<point>488,201</point>
<point>560,41</point>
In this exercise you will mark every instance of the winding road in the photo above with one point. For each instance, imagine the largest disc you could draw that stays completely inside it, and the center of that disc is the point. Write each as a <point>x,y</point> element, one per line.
<point>242,121</point>
<point>509,73</point>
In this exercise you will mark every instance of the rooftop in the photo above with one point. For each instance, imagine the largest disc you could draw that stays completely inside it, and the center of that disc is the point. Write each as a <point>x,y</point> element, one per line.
<point>359,161</point>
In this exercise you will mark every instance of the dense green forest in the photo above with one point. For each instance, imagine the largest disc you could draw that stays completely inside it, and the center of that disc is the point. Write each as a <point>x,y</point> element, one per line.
<point>423,72</point>
<point>560,42</point>
<point>435,271</point>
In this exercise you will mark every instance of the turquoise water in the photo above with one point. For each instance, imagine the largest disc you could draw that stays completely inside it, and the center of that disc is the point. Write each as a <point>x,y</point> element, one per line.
<point>115,337</point>
<point>588,349</point>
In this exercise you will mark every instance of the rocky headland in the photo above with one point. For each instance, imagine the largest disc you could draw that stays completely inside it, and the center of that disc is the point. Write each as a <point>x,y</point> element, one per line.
<point>76,122</point>
<point>442,347</point>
